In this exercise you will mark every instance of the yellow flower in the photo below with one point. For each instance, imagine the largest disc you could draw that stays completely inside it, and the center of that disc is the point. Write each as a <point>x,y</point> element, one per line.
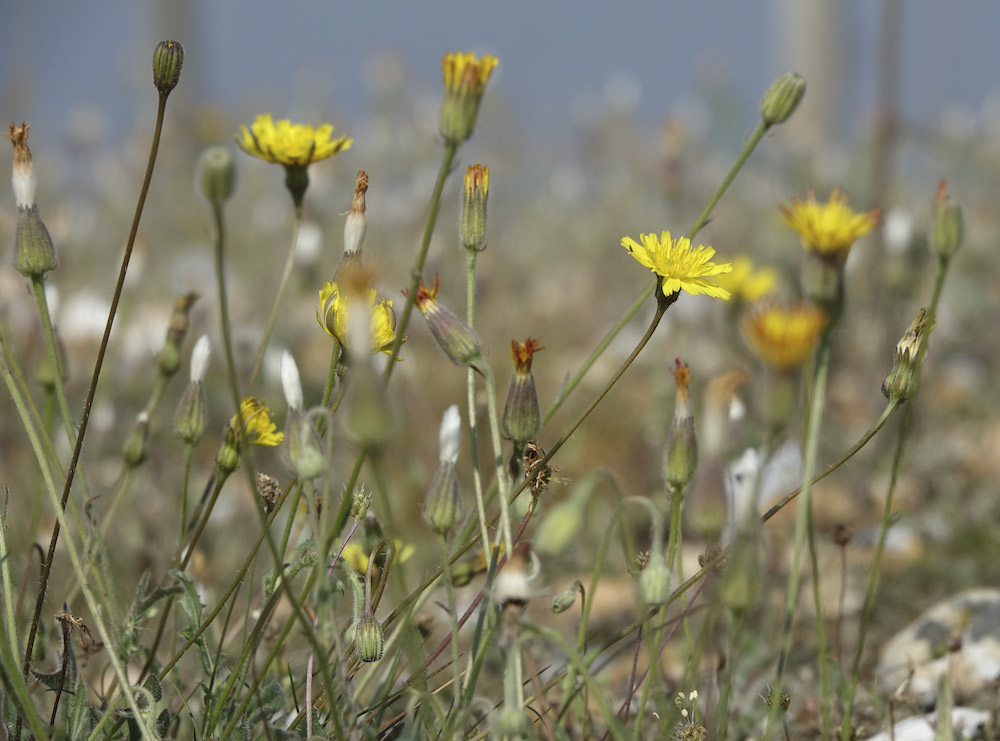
<point>465,79</point>
<point>680,265</point>
<point>783,336</point>
<point>332,316</point>
<point>464,74</point>
<point>257,421</point>
<point>290,144</point>
<point>828,228</point>
<point>746,281</point>
<point>354,554</point>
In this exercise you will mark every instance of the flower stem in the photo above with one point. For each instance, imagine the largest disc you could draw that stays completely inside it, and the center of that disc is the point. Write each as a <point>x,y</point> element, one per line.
<point>470,387</point>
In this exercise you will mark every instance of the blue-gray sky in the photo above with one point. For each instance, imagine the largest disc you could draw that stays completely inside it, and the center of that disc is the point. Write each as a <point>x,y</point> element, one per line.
<point>555,56</point>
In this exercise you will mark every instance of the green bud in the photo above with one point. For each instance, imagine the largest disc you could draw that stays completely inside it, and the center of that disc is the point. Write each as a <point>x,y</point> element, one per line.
<point>453,336</point>
<point>472,227</point>
<point>465,79</point>
<point>511,723</point>
<point>168,360</point>
<point>228,457</point>
<point>949,225</point>
<point>134,449</point>
<point>369,639</point>
<point>361,500</point>
<point>901,382</point>
<point>443,501</point>
<point>654,582</point>
<point>34,254</point>
<point>189,421</point>
<point>680,457</point>
<point>168,56</point>
<point>216,174</point>
<point>522,417</point>
<point>782,98</point>
<point>302,445</point>
<point>565,599</point>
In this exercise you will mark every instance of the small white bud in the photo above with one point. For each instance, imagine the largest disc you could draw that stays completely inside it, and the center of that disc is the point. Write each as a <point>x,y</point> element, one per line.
<point>200,356</point>
<point>451,429</point>
<point>290,381</point>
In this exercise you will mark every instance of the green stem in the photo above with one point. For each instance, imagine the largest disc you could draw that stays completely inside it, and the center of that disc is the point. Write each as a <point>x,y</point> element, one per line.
<point>88,405</point>
<point>273,317</point>
<point>453,619</point>
<point>503,482</point>
<point>219,220</point>
<point>470,397</point>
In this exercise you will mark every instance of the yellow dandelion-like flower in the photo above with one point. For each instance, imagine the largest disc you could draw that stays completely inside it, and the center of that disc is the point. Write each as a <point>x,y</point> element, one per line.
<point>355,556</point>
<point>464,74</point>
<point>747,282</point>
<point>829,228</point>
<point>332,316</point>
<point>679,265</point>
<point>289,144</point>
<point>257,421</point>
<point>783,336</point>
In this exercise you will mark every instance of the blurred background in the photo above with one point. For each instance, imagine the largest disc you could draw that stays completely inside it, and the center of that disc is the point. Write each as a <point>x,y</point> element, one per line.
<point>601,121</point>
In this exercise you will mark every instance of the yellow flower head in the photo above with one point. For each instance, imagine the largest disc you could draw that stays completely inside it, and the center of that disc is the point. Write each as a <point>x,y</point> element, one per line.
<point>464,74</point>
<point>747,282</point>
<point>290,144</point>
<point>829,229</point>
<point>679,265</point>
<point>355,556</point>
<point>257,421</point>
<point>332,316</point>
<point>783,336</point>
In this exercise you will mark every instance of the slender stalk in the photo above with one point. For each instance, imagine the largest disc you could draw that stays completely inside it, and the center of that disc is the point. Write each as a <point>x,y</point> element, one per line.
<point>219,221</point>
<point>449,587</point>
<point>286,273</point>
<point>503,482</point>
<point>99,363</point>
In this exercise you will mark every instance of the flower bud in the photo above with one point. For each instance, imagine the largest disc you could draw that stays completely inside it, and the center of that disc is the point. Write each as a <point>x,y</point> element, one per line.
<point>522,418</point>
<point>511,723</point>
<point>168,360</point>
<point>654,582</point>
<point>565,599</point>
<point>134,449</point>
<point>369,639</point>
<point>456,339</point>
<point>443,501</point>
<point>361,500</point>
<point>948,223</point>
<point>901,382</point>
<point>189,421</point>
<point>465,79</point>
<point>168,56</point>
<point>216,174</point>
<point>681,455</point>
<point>34,254</point>
<point>228,458</point>
<point>782,98</point>
<point>303,449</point>
<point>472,229</point>
<point>356,223</point>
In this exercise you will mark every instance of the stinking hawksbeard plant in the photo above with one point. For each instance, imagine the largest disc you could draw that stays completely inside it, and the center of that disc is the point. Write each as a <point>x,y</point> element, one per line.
<point>398,550</point>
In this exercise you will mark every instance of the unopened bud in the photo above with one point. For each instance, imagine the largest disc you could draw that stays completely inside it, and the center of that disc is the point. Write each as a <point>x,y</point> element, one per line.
<point>681,455</point>
<point>654,582</point>
<point>782,98</point>
<point>901,382</point>
<point>34,254</point>
<point>565,599</point>
<point>356,223</point>
<point>168,56</point>
<point>168,360</point>
<point>948,223</point>
<point>361,500</point>
<point>453,336</point>
<point>443,501</point>
<point>369,639</point>
<point>472,229</point>
<point>522,417</point>
<point>134,449</point>
<point>465,79</point>
<point>216,174</point>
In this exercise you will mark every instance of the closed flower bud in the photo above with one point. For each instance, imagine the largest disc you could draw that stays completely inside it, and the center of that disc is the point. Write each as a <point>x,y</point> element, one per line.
<point>228,458</point>
<point>443,501</point>
<point>948,223</point>
<point>361,500</point>
<point>681,456</point>
<point>34,254</point>
<point>216,174</point>
<point>303,449</point>
<point>189,421</point>
<point>168,360</point>
<point>134,449</point>
<point>168,56</point>
<point>472,229</point>
<point>782,98</point>
<point>522,418</point>
<point>565,599</point>
<point>291,383</point>
<point>369,639</point>
<point>511,723</point>
<point>356,223</point>
<point>453,336</point>
<point>901,382</point>
<point>654,582</point>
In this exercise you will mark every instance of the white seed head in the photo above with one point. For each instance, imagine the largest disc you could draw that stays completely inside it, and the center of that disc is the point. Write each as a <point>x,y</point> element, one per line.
<point>451,429</point>
<point>290,381</point>
<point>200,356</point>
